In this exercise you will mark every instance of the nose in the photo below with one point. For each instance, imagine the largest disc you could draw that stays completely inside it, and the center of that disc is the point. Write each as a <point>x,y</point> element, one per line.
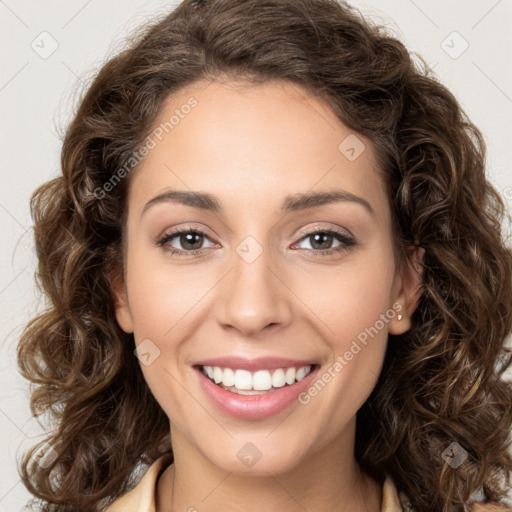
<point>254,296</point>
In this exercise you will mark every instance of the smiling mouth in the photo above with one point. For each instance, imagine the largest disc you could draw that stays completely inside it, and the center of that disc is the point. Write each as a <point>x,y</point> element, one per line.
<point>260,382</point>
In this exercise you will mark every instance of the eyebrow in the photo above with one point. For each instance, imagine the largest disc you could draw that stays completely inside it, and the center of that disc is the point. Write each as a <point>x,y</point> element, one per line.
<point>292,203</point>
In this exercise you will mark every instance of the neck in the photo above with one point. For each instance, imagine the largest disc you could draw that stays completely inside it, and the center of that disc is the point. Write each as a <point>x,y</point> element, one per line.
<point>327,480</point>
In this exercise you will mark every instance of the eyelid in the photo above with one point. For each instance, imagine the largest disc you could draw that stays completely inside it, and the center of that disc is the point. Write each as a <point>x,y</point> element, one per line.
<point>316,229</point>
<point>184,229</point>
<point>171,233</point>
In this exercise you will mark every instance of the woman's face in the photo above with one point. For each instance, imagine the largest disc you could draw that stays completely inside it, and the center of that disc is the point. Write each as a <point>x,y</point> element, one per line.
<point>250,288</point>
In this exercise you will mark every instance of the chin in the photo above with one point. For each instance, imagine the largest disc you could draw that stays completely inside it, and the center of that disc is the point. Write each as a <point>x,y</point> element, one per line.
<point>256,458</point>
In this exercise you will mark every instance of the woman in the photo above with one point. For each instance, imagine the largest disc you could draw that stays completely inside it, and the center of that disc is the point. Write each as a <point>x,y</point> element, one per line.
<point>276,276</point>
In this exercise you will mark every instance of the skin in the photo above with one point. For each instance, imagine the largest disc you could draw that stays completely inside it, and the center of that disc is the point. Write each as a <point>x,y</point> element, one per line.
<point>252,146</point>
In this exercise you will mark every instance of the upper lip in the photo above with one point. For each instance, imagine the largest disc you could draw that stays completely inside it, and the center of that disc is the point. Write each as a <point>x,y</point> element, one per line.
<point>260,363</point>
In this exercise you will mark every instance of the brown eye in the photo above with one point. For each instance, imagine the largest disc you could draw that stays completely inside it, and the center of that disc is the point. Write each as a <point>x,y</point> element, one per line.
<point>321,240</point>
<point>191,241</point>
<point>184,242</point>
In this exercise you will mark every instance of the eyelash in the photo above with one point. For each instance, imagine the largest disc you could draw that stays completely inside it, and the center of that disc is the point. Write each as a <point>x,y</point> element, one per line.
<point>346,242</point>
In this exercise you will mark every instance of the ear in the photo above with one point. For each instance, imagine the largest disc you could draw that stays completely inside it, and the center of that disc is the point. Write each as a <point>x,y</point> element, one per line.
<point>408,289</point>
<point>120,297</point>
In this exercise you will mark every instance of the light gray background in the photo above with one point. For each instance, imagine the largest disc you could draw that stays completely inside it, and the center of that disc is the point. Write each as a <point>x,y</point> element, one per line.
<point>37,98</point>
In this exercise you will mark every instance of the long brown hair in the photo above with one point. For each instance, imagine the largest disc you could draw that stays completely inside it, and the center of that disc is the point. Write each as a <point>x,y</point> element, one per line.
<point>441,381</point>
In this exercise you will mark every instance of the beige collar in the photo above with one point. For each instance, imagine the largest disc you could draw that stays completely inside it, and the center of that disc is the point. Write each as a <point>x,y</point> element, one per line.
<point>142,497</point>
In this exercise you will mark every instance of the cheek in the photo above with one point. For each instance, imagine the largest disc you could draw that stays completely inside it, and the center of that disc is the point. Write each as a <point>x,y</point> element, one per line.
<point>350,297</point>
<point>163,294</point>
<point>352,304</point>
<point>165,300</point>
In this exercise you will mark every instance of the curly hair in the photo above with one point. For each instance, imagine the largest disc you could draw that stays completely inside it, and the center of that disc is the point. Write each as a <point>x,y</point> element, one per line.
<point>441,381</point>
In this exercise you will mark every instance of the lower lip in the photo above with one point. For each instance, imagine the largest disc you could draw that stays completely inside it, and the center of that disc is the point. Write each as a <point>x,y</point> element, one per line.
<point>254,407</point>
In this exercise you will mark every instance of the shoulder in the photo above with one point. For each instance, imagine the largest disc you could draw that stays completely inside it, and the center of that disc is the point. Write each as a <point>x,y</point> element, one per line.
<point>397,501</point>
<point>489,507</point>
<point>142,497</point>
<point>394,500</point>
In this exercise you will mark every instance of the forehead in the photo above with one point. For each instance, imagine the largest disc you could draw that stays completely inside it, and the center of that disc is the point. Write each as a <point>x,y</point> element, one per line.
<point>254,143</point>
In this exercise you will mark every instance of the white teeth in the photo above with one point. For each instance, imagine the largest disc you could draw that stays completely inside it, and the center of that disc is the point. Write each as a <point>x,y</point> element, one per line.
<point>290,375</point>
<point>217,374</point>
<point>261,381</point>
<point>243,379</point>
<point>278,379</point>
<point>250,383</point>
<point>301,373</point>
<point>228,377</point>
